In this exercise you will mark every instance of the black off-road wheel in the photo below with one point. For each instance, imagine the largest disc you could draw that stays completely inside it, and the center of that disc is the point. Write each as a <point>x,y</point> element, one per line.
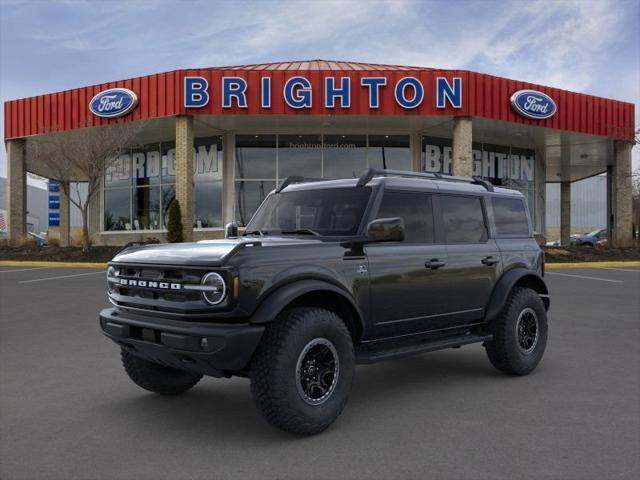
<point>157,378</point>
<point>519,333</point>
<point>302,371</point>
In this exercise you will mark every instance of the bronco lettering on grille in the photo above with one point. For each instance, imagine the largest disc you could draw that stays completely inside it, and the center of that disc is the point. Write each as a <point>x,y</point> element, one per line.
<point>149,284</point>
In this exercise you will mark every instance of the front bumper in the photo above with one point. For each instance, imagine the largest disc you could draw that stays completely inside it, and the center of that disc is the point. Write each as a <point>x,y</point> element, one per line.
<point>207,348</point>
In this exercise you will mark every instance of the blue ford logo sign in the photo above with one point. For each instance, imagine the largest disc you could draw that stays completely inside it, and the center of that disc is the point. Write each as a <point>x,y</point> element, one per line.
<point>533,104</point>
<point>114,102</point>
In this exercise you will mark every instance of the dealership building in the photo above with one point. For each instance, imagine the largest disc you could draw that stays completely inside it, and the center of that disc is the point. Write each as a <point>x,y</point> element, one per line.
<point>220,139</point>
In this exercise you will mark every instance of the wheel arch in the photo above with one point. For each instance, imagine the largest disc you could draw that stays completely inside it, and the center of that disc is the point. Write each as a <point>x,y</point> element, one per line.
<point>518,277</point>
<point>313,293</point>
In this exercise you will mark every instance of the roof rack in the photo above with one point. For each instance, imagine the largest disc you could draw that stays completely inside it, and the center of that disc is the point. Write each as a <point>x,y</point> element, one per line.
<point>290,180</point>
<point>369,173</point>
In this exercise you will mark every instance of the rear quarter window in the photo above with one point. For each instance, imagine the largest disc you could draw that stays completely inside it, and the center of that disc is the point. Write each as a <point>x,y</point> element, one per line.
<point>463,219</point>
<point>510,217</point>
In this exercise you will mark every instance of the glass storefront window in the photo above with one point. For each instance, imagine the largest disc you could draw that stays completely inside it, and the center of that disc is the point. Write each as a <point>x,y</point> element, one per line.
<point>117,209</point>
<point>390,152</point>
<point>145,165</point>
<point>118,174</point>
<point>146,208</point>
<point>256,156</point>
<point>207,160</point>
<point>344,156</point>
<point>168,162</point>
<point>144,205</point>
<point>168,195</point>
<point>300,155</point>
<point>208,204</point>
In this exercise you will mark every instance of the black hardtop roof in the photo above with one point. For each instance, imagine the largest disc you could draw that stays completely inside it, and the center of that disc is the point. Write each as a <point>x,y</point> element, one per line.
<point>400,179</point>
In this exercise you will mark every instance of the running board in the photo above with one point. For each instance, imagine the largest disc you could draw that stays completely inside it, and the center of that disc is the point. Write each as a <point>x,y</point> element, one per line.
<point>366,355</point>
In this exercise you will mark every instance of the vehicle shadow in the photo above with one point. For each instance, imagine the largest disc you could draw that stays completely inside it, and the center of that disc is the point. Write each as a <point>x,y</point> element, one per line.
<point>223,410</point>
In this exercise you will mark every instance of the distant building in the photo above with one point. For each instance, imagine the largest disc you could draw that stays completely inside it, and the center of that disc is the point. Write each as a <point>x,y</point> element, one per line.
<point>37,207</point>
<point>220,139</point>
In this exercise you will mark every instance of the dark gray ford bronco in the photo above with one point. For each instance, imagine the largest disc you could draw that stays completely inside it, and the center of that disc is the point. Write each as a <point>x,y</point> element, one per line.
<point>329,274</point>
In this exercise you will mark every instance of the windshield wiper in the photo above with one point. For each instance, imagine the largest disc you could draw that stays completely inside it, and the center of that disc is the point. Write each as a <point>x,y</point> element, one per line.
<point>301,231</point>
<point>256,232</point>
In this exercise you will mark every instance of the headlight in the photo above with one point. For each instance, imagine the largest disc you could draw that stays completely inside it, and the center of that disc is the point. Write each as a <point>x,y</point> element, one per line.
<point>215,288</point>
<point>111,273</point>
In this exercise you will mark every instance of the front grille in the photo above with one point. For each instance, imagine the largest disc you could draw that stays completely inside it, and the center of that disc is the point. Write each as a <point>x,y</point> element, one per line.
<point>159,289</point>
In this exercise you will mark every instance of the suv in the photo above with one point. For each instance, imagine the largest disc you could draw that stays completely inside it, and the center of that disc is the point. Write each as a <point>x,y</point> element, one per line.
<point>329,274</point>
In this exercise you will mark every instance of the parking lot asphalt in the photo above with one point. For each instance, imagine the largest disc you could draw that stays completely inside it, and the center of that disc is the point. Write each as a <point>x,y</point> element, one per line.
<point>68,411</point>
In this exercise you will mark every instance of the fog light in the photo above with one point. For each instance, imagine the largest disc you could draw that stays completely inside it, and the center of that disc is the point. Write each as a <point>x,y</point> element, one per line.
<point>215,288</point>
<point>204,344</point>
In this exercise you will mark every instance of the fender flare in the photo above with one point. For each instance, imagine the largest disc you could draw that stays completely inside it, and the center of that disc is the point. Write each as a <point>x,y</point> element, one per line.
<point>282,296</point>
<point>506,283</point>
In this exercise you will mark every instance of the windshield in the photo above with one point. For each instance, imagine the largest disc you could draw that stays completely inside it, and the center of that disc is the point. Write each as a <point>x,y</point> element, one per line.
<point>326,212</point>
<point>594,233</point>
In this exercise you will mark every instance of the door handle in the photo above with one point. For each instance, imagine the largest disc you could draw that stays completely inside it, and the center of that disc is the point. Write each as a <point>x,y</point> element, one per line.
<point>434,264</point>
<point>489,261</point>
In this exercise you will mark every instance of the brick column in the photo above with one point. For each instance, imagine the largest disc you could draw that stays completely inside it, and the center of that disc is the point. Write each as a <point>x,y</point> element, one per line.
<point>228,178</point>
<point>16,191</point>
<point>65,216</point>
<point>184,173</point>
<point>415,147</point>
<point>565,213</point>
<point>462,149</point>
<point>621,189</point>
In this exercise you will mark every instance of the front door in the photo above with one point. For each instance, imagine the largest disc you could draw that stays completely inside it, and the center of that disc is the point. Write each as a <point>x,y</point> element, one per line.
<point>407,293</point>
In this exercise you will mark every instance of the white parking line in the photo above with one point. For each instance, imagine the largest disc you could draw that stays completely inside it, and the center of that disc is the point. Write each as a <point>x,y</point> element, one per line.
<point>23,269</point>
<point>585,277</point>
<point>63,276</point>
<point>620,269</point>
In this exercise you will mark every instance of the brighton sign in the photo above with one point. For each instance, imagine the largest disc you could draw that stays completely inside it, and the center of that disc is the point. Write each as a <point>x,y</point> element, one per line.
<point>297,92</point>
<point>113,103</point>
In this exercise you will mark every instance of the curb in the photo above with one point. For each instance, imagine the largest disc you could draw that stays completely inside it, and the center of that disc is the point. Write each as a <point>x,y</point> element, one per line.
<point>551,266</point>
<point>28,263</point>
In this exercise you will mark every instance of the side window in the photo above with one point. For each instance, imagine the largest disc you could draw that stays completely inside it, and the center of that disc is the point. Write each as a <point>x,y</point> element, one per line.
<point>463,219</point>
<point>415,209</point>
<point>510,216</point>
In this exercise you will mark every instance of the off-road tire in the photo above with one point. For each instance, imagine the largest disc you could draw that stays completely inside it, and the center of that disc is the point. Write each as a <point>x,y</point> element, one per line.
<point>274,375</point>
<point>157,378</point>
<point>504,351</point>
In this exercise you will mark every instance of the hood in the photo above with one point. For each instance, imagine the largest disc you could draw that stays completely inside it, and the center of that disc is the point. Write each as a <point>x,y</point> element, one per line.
<point>206,252</point>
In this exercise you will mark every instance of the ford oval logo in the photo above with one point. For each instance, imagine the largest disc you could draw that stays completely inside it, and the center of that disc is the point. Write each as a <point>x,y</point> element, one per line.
<point>114,102</point>
<point>533,104</point>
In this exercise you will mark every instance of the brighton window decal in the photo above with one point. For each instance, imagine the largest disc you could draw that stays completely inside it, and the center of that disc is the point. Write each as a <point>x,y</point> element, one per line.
<point>114,102</point>
<point>533,104</point>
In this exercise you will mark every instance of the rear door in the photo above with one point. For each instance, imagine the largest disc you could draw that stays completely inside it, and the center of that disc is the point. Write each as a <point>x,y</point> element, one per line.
<point>473,258</point>
<point>407,293</point>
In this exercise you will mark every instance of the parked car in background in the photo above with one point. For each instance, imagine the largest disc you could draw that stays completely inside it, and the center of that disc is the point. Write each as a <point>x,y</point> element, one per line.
<point>589,239</point>
<point>40,239</point>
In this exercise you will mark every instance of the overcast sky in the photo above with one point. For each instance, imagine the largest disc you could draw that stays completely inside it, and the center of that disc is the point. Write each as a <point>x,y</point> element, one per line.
<point>581,45</point>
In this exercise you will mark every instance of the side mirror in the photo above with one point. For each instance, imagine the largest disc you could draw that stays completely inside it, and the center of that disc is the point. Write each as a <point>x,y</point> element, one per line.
<point>386,230</point>
<point>231,230</point>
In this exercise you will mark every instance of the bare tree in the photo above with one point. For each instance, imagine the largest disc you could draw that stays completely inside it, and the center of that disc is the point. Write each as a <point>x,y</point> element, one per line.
<point>82,156</point>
